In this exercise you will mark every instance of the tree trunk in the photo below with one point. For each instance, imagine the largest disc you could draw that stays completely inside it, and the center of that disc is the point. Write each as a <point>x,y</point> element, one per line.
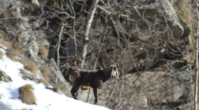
<point>196,72</point>
<point>86,35</point>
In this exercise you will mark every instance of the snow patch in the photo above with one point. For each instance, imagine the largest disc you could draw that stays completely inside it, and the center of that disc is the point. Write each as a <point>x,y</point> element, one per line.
<point>46,99</point>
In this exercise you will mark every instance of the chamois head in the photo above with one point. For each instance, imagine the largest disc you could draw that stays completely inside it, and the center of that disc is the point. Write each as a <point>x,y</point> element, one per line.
<point>114,71</point>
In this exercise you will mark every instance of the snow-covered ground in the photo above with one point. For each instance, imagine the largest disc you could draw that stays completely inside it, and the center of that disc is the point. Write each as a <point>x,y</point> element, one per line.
<point>45,99</point>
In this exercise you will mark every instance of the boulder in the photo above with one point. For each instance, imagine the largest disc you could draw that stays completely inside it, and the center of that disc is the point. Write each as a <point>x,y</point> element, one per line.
<point>4,77</point>
<point>56,77</point>
<point>150,89</point>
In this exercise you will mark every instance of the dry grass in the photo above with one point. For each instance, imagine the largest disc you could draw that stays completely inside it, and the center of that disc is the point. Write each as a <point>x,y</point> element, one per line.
<point>6,14</point>
<point>68,94</point>
<point>44,81</point>
<point>198,106</point>
<point>56,89</point>
<point>16,46</point>
<point>5,37</point>
<point>21,61</point>
<point>31,66</point>
<point>26,94</point>
<point>45,72</point>
<point>20,38</point>
<point>1,55</point>
<point>5,43</point>
<point>185,11</point>
<point>9,55</point>
<point>44,50</point>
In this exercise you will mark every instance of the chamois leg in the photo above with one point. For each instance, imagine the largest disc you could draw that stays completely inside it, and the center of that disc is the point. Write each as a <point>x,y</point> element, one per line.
<point>95,94</point>
<point>73,91</point>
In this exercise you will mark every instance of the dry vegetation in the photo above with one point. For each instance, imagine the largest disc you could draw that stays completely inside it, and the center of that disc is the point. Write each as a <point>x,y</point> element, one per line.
<point>16,47</point>
<point>44,81</point>
<point>68,94</point>
<point>4,43</point>
<point>182,8</point>
<point>31,66</point>
<point>1,55</point>
<point>9,55</point>
<point>44,50</point>
<point>13,46</point>
<point>26,94</point>
<point>6,14</point>
<point>45,72</point>
<point>184,11</point>
<point>56,88</point>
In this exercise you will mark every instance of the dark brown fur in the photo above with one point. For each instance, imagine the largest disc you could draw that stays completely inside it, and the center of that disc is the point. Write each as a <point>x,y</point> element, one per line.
<point>85,78</point>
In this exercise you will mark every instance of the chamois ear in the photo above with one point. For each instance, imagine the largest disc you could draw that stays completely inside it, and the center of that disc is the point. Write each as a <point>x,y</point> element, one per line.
<point>115,65</point>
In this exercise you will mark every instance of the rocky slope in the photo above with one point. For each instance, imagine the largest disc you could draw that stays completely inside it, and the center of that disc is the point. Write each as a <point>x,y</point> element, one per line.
<point>152,39</point>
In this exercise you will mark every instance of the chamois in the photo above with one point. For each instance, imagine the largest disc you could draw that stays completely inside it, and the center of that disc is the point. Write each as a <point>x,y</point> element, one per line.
<point>85,78</point>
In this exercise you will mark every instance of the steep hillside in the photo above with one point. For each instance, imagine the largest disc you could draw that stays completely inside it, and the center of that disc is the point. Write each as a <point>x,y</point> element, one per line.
<point>17,93</point>
<point>152,40</point>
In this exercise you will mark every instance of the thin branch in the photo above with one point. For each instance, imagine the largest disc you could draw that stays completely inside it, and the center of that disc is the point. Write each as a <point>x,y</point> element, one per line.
<point>101,8</point>
<point>98,52</point>
<point>196,72</point>
<point>58,43</point>
<point>115,28</point>
<point>100,47</point>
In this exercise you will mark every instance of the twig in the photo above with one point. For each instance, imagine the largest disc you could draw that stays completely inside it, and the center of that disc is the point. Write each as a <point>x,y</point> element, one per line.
<point>100,47</point>
<point>196,69</point>
<point>116,29</point>
<point>103,9</point>
<point>58,43</point>
<point>147,22</point>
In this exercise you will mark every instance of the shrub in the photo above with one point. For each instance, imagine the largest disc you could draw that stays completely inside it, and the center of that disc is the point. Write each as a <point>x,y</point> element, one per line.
<point>17,47</point>
<point>6,13</point>
<point>9,55</point>
<point>68,94</point>
<point>45,72</point>
<point>31,66</point>
<point>56,88</point>
<point>43,50</point>
<point>44,81</point>
<point>4,43</point>
<point>26,94</point>
<point>1,55</point>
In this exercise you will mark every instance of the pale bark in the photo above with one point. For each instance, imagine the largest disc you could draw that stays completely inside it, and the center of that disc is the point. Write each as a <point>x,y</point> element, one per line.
<point>58,43</point>
<point>196,72</point>
<point>86,34</point>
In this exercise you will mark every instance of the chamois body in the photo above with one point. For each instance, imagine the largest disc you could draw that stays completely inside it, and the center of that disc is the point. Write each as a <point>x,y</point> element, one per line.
<point>85,78</point>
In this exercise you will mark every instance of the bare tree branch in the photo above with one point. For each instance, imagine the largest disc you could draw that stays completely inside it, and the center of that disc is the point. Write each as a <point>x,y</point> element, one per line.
<point>58,43</point>
<point>86,34</point>
<point>196,62</point>
<point>100,47</point>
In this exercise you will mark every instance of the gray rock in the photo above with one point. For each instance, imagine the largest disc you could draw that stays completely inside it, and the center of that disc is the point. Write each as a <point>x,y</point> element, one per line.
<point>166,14</point>
<point>28,75</point>
<point>4,77</point>
<point>56,77</point>
<point>166,90</point>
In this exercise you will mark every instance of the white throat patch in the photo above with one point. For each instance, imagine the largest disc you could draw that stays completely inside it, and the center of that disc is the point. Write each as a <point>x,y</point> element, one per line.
<point>114,73</point>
